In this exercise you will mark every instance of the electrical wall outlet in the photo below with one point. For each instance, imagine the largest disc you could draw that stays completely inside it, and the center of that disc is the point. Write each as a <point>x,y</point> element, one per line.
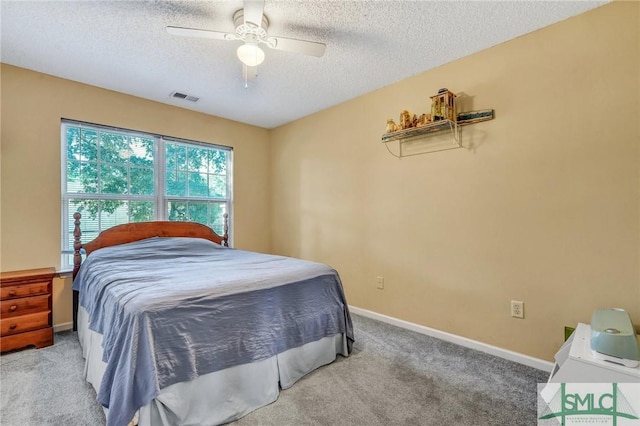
<point>517,309</point>
<point>380,283</point>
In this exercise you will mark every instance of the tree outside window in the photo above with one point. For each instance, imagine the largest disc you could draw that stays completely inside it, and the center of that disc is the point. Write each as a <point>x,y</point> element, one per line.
<point>115,176</point>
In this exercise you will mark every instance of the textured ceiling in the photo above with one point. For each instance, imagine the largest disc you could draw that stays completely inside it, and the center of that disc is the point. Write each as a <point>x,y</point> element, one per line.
<point>123,46</point>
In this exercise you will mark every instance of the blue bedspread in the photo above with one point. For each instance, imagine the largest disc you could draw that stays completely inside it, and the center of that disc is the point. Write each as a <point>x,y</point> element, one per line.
<point>172,309</point>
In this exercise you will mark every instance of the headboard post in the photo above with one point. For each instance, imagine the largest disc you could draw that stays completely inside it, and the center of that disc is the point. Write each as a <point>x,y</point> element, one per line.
<point>77,245</point>
<point>225,237</point>
<point>77,260</point>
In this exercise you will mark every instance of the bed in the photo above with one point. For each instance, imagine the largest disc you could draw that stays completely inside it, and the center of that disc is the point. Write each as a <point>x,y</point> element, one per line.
<point>178,328</point>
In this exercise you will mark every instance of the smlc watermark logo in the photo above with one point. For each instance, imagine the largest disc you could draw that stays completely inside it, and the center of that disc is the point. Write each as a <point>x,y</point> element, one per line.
<point>616,404</point>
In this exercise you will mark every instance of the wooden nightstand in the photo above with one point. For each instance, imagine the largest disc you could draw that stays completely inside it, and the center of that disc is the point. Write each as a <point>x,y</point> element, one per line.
<point>25,308</point>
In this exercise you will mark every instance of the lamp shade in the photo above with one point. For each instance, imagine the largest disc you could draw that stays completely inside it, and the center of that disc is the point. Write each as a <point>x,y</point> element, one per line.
<point>250,54</point>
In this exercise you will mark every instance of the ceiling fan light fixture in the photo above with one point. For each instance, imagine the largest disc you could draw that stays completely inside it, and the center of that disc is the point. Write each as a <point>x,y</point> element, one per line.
<point>250,54</point>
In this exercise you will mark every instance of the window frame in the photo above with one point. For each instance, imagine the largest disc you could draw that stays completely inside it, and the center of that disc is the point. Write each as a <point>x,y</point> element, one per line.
<point>160,198</point>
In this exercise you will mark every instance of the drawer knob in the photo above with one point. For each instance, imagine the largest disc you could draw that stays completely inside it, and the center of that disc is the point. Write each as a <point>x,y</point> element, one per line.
<point>13,326</point>
<point>12,293</point>
<point>13,308</point>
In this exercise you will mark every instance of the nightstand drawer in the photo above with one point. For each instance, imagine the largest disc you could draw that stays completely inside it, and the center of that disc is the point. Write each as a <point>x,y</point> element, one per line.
<point>13,292</point>
<point>24,305</point>
<point>27,322</point>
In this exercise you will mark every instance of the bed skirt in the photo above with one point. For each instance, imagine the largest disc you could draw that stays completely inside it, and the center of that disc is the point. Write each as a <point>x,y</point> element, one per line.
<point>222,396</point>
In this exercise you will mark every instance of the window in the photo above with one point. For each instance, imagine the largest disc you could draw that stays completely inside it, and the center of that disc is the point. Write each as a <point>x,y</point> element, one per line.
<point>115,176</point>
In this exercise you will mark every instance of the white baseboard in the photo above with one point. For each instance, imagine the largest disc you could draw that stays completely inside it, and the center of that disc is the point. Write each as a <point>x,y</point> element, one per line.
<point>458,340</point>
<point>63,327</point>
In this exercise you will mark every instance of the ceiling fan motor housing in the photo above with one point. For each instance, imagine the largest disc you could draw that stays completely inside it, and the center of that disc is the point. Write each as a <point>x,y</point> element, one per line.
<point>243,28</point>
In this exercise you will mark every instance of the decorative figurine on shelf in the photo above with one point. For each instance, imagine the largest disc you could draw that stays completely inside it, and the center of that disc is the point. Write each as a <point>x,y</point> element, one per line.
<point>391,126</point>
<point>443,106</point>
<point>423,119</point>
<point>405,120</point>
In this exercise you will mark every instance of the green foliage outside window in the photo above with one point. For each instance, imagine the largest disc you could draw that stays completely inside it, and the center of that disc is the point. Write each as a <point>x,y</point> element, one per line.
<point>108,163</point>
<point>111,179</point>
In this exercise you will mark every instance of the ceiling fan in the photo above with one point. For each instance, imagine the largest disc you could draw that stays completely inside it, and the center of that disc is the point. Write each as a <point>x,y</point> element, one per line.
<point>251,28</point>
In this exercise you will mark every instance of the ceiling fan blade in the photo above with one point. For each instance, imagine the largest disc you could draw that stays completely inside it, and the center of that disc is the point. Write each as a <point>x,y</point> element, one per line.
<point>253,10</point>
<point>193,32</point>
<point>310,48</point>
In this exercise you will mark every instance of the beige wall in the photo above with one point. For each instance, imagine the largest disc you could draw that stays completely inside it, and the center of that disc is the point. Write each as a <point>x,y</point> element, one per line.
<point>32,106</point>
<point>542,205</point>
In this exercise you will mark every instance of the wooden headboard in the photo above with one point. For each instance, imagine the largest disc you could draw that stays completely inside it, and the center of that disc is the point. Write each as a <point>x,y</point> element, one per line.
<point>130,232</point>
<point>136,231</point>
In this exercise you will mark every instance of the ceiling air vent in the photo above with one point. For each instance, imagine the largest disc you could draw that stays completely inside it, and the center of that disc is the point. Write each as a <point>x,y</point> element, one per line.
<point>184,96</point>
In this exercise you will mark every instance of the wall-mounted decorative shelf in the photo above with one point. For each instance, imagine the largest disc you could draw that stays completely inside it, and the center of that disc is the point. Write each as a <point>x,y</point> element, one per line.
<point>414,135</point>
